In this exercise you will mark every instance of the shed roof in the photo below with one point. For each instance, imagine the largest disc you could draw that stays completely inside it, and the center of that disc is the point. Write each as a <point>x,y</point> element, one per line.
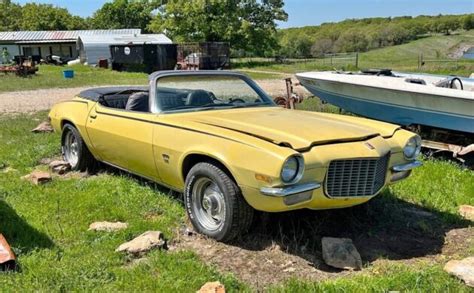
<point>62,35</point>
<point>125,39</point>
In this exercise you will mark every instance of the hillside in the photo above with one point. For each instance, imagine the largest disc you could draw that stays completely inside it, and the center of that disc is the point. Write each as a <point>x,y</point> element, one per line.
<point>399,57</point>
<point>361,35</point>
<point>439,47</point>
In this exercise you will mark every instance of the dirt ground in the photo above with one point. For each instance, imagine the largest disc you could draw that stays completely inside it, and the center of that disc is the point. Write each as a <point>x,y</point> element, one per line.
<point>287,245</point>
<point>44,99</point>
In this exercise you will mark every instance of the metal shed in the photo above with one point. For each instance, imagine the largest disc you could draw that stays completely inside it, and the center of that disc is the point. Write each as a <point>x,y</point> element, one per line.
<point>93,48</point>
<point>43,43</point>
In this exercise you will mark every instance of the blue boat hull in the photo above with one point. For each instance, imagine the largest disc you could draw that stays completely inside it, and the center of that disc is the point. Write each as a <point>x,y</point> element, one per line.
<point>393,113</point>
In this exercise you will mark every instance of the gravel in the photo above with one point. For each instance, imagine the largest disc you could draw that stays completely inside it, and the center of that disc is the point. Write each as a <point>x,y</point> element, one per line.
<point>44,99</point>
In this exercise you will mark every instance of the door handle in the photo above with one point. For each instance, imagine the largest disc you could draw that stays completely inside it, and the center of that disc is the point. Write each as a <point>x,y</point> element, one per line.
<point>93,116</point>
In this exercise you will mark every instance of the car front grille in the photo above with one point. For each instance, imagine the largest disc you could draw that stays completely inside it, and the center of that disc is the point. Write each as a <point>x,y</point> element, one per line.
<point>356,177</point>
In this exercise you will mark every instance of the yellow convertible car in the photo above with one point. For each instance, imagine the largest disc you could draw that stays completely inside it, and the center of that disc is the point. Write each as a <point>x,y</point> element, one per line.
<point>219,138</point>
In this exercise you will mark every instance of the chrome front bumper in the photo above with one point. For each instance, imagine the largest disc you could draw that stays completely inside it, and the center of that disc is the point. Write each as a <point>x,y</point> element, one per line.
<point>407,167</point>
<point>289,190</point>
<point>300,188</point>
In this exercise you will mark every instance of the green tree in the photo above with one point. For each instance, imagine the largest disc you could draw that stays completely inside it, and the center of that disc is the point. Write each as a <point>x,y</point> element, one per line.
<point>36,17</point>
<point>10,16</point>
<point>468,22</point>
<point>120,14</point>
<point>247,24</point>
<point>321,47</point>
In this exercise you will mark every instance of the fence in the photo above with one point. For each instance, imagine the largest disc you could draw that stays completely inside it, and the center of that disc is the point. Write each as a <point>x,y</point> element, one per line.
<point>339,59</point>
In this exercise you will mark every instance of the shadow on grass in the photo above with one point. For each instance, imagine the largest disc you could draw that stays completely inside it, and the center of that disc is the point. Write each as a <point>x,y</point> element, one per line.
<point>386,227</point>
<point>22,237</point>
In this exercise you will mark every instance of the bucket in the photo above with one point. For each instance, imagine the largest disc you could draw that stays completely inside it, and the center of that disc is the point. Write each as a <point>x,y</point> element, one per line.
<point>68,73</point>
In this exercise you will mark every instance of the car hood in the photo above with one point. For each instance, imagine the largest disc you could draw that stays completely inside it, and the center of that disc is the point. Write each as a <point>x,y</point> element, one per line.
<point>293,128</point>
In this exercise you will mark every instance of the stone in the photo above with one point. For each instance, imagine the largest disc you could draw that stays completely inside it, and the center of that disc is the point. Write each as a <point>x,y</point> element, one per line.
<point>107,226</point>
<point>43,127</point>
<point>341,253</point>
<point>463,269</point>
<point>8,170</point>
<point>45,161</point>
<point>38,177</point>
<point>467,212</point>
<point>143,243</point>
<point>60,167</point>
<point>212,287</point>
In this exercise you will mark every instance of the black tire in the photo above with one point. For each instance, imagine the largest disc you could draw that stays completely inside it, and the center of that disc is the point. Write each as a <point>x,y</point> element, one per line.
<point>238,214</point>
<point>85,161</point>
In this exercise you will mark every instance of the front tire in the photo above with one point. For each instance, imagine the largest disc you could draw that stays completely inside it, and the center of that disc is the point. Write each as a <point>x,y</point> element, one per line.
<point>214,203</point>
<point>75,151</point>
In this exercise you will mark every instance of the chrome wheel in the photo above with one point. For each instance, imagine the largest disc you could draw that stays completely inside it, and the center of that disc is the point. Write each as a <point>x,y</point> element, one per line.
<point>71,149</point>
<point>208,203</point>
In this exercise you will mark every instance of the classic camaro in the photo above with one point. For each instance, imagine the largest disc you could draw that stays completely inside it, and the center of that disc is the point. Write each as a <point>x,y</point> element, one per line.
<point>218,137</point>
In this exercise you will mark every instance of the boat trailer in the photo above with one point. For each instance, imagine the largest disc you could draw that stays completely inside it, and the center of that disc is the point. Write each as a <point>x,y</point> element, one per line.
<point>7,257</point>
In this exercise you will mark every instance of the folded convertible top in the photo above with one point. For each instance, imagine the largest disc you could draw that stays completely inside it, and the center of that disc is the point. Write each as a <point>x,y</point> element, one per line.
<point>94,94</point>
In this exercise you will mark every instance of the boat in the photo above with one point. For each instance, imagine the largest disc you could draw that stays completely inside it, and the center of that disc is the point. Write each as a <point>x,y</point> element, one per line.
<point>432,105</point>
<point>445,102</point>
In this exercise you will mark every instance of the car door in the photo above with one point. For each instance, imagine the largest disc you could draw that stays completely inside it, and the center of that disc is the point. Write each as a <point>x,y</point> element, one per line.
<point>123,138</point>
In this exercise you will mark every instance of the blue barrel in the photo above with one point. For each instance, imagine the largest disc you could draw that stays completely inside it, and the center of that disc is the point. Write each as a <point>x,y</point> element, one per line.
<point>68,73</point>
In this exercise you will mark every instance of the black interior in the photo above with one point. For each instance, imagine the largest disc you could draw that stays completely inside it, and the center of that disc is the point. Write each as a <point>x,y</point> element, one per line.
<point>138,100</point>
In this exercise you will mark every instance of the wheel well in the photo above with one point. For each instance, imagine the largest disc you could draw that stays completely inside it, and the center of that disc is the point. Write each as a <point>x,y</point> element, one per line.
<point>194,159</point>
<point>64,122</point>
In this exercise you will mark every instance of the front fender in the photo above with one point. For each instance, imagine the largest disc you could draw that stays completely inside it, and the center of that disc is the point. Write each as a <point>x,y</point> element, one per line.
<point>73,111</point>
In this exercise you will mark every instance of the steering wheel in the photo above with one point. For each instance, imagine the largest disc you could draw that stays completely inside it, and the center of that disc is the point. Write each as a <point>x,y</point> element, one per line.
<point>236,101</point>
<point>451,82</point>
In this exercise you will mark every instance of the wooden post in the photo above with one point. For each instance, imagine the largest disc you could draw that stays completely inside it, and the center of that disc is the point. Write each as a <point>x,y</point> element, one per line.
<point>357,59</point>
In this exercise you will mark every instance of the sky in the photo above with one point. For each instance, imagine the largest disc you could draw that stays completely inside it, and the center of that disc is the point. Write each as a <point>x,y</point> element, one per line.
<point>314,12</point>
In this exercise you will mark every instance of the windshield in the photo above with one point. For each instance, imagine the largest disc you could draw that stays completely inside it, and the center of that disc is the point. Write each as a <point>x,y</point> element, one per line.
<point>207,92</point>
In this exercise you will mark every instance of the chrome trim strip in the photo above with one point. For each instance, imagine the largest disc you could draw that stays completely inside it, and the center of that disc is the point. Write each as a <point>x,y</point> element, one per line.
<point>407,167</point>
<point>289,190</point>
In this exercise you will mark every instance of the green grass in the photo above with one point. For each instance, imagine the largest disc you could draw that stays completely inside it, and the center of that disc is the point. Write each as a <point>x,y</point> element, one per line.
<point>402,57</point>
<point>47,227</point>
<point>49,76</point>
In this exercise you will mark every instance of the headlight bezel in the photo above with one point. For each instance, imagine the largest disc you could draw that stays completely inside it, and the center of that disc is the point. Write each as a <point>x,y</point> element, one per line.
<point>412,148</point>
<point>299,170</point>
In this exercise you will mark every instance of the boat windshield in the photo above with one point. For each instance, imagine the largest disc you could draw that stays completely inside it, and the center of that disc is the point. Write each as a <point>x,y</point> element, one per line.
<point>182,93</point>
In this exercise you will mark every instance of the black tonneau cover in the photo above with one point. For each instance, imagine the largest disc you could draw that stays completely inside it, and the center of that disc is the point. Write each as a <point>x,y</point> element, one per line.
<point>94,94</point>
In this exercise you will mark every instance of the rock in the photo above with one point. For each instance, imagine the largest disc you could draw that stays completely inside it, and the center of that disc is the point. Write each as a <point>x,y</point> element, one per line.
<point>467,212</point>
<point>143,243</point>
<point>43,127</point>
<point>60,167</point>
<point>107,226</point>
<point>45,161</point>
<point>463,269</point>
<point>8,170</point>
<point>38,177</point>
<point>341,253</point>
<point>289,270</point>
<point>212,287</point>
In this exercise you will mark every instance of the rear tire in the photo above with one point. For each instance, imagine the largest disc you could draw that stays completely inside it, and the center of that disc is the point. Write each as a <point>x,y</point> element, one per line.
<point>75,151</point>
<point>214,203</point>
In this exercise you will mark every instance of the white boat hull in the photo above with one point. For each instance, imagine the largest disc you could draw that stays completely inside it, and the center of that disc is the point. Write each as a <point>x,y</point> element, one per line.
<point>409,104</point>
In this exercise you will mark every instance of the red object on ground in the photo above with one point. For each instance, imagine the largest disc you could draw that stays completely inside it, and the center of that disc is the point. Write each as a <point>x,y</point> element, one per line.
<point>7,257</point>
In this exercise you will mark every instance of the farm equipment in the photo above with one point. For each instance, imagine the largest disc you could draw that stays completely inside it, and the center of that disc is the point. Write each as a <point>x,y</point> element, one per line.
<point>23,66</point>
<point>7,257</point>
<point>205,55</point>
<point>291,98</point>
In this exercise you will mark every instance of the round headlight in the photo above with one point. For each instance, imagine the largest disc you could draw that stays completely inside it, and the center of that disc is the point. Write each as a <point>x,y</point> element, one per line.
<point>412,148</point>
<point>292,169</point>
